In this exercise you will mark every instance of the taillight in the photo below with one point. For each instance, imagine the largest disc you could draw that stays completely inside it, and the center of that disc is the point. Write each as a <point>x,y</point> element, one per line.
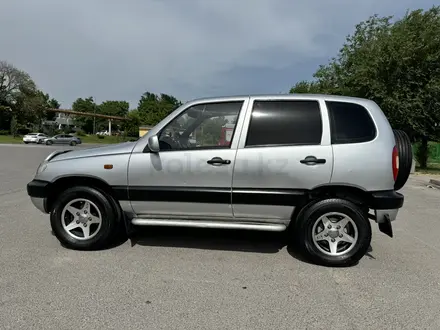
<point>395,163</point>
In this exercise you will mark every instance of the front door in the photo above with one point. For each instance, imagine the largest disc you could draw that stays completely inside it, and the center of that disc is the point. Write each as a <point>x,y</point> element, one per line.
<point>191,175</point>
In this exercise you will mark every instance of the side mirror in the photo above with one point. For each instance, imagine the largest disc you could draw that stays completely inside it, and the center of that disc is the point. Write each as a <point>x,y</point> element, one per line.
<point>153,143</point>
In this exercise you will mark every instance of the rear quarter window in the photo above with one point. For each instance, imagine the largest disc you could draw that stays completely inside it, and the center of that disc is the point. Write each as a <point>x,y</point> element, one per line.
<point>350,123</point>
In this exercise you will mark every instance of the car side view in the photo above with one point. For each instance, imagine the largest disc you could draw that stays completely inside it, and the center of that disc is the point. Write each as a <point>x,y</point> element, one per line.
<point>63,139</point>
<point>319,166</point>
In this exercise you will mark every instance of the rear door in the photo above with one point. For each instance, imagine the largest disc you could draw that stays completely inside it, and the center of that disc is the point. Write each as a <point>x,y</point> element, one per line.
<point>284,151</point>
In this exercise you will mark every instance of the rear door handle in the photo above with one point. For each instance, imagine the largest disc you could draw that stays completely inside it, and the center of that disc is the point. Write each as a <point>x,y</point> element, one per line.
<point>312,160</point>
<point>218,161</point>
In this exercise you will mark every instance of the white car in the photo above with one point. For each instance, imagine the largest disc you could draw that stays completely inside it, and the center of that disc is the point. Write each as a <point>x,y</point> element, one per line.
<point>34,138</point>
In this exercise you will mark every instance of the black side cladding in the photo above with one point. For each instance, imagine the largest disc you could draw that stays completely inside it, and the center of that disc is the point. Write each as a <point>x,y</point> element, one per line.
<point>404,148</point>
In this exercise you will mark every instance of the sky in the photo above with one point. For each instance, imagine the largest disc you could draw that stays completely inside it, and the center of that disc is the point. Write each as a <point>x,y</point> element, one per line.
<point>117,50</point>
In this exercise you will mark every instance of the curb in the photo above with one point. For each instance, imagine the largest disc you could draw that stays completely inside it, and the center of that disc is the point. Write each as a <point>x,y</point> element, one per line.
<point>434,184</point>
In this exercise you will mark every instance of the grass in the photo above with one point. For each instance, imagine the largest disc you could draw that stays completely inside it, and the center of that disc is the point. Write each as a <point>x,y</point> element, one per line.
<point>432,169</point>
<point>106,140</point>
<point>10,139</point>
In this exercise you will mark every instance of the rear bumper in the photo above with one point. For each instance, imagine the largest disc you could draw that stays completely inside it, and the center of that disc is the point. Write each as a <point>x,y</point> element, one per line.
<point>386,205</point>
<point>39,192</point>
<point>386,200</point>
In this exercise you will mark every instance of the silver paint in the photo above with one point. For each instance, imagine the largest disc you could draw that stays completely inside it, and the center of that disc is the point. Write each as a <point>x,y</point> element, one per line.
<point>208,224</point>
<point>364,165</point>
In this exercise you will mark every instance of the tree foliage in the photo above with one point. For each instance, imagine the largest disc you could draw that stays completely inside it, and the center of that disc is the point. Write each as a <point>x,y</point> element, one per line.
<point>153,108</point>
<point>86,105</point>
<point>396,64</point>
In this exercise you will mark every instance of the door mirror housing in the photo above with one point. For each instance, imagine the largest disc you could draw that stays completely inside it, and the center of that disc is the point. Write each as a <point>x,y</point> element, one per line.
<point>153,143</point>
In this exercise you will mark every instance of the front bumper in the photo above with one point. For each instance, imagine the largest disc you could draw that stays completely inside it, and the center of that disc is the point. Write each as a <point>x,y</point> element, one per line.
<point>38,190</point>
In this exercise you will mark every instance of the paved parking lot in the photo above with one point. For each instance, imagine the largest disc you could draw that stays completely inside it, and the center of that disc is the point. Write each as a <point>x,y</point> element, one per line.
<point>199,279</point>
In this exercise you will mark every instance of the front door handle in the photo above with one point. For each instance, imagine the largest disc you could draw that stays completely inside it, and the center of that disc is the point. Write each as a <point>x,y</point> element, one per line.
<point>312,160</point>
<point>218,161</point>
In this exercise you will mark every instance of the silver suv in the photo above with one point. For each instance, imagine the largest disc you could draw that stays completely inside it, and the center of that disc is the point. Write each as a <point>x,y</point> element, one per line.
<point>320,166</point>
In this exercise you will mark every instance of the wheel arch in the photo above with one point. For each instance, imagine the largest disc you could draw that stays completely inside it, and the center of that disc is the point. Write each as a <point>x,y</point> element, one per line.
<point>352,193</point>
<point>62,183</point>
<point>349,192</point>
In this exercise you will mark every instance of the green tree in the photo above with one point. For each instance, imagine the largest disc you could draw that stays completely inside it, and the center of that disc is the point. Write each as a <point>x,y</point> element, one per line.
<point>131,126</point>
<point>86,105</point>
<point>153,108</point>
<point>396,64</point>
<point>303,86</point>
<point>114,108</point>
<point>111,108</point>
<point>18,95</point>
<point>49,103</point>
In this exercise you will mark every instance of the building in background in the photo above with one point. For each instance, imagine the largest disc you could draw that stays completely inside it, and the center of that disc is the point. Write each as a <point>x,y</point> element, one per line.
<point>144,130</point>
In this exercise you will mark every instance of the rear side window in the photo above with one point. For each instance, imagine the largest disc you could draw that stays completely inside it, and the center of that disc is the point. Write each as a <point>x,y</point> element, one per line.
<point>285,122</point>
<point>350,123</point>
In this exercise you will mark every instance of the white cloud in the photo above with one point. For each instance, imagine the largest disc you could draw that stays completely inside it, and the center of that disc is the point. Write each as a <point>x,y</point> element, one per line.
<point>114,49</point>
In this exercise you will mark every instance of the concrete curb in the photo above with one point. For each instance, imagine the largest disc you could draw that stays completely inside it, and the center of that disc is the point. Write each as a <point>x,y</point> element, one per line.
<point>434,184</point>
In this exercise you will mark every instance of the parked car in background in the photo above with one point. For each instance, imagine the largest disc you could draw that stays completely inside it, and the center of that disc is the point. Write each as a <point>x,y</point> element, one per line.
<point>63,139</point>
<point>34,138</point>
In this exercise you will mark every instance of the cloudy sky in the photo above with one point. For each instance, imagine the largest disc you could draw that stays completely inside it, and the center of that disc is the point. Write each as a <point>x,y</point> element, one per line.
<point>117,49</point>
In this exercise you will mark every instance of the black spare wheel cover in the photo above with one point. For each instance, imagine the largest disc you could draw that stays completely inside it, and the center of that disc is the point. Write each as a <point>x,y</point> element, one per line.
<point>404,149</point>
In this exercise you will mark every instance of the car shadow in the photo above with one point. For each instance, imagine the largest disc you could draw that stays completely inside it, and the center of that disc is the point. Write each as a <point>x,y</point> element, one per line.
<point>210,239</point>
<point>215,239</point>
<point>294,252</point>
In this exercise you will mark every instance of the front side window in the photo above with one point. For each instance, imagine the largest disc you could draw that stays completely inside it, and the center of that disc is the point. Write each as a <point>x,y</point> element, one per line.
<point>202,126</point>
<point>285,122</point>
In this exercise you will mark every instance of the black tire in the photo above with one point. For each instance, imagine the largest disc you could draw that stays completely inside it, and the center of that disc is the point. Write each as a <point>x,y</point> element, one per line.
<point>26,143</point>
<point>310,215</point>
<point>110,222</point>
<point>404,148</point>
<point>49,143</point>
<point>73,143</point>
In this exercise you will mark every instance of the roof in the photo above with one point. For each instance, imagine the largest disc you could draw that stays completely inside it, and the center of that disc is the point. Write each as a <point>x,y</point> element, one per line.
<point>281,96</point>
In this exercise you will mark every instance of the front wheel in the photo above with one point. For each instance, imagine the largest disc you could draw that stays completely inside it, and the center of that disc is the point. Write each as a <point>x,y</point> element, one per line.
<point>73,143</point>
<point>333,232</point>
<point>49,143</point>
<point>83,219</point>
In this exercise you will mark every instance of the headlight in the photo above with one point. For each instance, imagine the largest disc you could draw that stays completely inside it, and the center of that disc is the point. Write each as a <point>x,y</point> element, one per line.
<point>41,168</point>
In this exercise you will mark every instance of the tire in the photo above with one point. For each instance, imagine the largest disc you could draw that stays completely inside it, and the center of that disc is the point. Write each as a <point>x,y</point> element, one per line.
<point>73,143</point>
<point>404,148</point>
<point>26,143</point>
<point>49,143</point>
<point>101,235</point>
<point>309,221</point>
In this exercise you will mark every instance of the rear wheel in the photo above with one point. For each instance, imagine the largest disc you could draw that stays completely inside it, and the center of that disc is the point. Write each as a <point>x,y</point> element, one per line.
<point>333,232</point>
<point>405,152</point>
<point>83,218</point>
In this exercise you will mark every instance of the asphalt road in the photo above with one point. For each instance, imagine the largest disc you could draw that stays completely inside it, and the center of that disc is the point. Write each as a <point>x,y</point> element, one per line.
<point>199,279</point>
